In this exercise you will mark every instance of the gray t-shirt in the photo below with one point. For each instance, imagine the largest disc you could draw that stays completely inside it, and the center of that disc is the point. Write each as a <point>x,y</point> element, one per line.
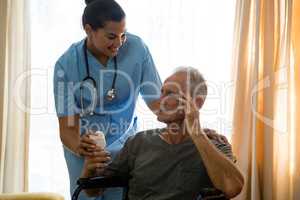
<point>161,171</point>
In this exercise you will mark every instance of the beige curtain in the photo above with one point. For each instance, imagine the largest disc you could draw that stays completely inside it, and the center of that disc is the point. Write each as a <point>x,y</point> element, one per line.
<point>14,95</point>
<point>296,111</point>
<point>267,98</point>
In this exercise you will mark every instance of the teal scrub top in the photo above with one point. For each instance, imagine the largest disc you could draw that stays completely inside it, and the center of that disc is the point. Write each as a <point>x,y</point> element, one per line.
<point>136,75</point>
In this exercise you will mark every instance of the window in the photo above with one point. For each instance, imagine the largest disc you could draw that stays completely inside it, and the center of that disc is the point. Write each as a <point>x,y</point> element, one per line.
<point>197,33</point>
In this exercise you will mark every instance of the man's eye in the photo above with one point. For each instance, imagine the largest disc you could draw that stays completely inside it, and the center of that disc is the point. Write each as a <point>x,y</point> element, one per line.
<point>171,94</point>
<point>111,38</point>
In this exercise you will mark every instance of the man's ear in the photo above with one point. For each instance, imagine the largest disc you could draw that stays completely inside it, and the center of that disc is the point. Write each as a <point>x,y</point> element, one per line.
<point>199,100</point>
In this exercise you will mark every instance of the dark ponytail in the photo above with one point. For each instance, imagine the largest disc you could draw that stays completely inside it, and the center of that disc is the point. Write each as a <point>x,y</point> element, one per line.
<point>98,12</point>
<point>88,1</point>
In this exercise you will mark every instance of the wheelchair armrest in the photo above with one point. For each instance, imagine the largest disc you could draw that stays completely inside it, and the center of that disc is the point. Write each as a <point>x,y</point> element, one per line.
<point>212,193</point>
<point>102,182</point>
<point>99,182</point>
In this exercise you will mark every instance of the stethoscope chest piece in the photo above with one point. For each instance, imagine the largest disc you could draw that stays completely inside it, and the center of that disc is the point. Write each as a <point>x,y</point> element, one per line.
<point>90,83</point>
<point>111,94</point>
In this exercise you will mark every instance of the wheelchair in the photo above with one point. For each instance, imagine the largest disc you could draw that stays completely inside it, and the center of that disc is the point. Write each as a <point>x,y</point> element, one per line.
<point>115,181</point>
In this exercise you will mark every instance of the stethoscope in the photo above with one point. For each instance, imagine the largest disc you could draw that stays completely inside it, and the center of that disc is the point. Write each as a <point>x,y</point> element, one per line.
<point>111,94</point>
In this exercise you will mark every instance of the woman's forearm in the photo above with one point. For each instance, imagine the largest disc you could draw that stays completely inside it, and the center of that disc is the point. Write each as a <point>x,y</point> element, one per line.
<point>69,132</point>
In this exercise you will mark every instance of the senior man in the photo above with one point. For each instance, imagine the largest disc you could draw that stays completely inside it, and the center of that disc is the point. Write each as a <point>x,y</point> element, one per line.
<point>175,162</point>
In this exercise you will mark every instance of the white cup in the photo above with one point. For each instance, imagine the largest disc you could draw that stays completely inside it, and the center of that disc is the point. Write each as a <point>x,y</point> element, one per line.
<point>99,138</point>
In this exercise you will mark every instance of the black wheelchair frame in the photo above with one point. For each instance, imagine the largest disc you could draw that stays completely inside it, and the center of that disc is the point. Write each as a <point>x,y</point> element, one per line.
<point>109,182</point>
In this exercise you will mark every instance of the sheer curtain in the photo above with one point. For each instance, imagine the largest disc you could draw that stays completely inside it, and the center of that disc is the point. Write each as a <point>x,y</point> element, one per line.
<point>267,87</point>
<point>14,95</point>
<point>178,32</point>
<point>296,76</point>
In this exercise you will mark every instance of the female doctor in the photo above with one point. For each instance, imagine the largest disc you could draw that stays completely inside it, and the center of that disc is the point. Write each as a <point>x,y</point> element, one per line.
<point>96,85</point>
